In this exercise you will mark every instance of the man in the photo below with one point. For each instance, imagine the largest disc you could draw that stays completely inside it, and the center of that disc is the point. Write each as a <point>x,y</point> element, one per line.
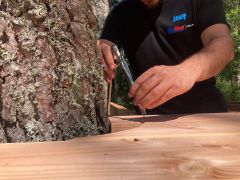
<point>175,48</point>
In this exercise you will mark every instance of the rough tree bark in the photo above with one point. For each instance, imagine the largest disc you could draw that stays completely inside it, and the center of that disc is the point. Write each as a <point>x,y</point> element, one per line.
<point>51,85</point>
<point>100,10</point>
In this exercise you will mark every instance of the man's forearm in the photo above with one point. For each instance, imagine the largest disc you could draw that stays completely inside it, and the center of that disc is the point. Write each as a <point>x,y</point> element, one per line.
<point>211,60</point>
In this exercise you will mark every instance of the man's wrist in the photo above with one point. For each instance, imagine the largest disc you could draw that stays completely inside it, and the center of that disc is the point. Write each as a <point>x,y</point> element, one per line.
<point>190,69</point>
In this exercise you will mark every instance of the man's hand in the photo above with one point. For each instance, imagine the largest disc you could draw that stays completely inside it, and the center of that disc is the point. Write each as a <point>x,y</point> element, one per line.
<point>106,58</point>
<point>159,84</point>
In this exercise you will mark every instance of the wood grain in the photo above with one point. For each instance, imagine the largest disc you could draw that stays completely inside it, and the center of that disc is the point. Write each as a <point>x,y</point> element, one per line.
<point>205,146</point>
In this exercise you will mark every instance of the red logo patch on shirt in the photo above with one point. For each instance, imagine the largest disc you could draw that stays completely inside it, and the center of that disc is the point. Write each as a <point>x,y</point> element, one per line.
<point>178,28</point>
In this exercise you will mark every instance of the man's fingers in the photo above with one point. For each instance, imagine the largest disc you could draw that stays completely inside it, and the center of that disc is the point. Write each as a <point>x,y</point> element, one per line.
<point>105,55</point>
<point>109,73</point>
<point>109,60</point>
<point>100,56</point>
<point>146,87</point>
<point>155,94</point>
<point>144,77</point>
<point>171,93</point>
<point>108,57</point>
<point>109,80</point>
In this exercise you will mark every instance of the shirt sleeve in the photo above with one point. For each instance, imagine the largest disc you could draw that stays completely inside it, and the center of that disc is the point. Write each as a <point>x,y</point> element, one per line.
<point>211,12</point>
<point>111,28</point>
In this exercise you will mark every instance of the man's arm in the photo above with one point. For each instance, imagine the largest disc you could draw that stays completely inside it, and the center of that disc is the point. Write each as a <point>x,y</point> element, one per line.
<point>161,83</point>
<point>216,54</point>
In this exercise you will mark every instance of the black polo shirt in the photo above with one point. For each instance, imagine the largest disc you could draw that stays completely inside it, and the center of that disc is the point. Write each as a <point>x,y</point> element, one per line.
<point>167,35</point>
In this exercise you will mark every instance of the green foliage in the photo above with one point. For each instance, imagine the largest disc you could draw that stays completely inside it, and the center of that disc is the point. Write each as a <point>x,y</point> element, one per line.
<point>227,81</point>
<point>229,89</point>
<point>121,89</point>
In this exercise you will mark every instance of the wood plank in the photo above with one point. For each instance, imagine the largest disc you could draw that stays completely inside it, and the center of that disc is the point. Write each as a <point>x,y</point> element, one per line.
<point>205,146</point>
<point>233,106</point>
<point>117,110</point>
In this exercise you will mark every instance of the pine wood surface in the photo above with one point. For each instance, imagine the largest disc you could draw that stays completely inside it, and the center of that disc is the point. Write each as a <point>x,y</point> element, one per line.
<point>205,146</point>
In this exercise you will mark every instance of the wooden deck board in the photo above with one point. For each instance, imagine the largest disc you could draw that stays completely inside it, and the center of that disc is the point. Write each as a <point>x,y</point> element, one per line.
<point>205,146</point>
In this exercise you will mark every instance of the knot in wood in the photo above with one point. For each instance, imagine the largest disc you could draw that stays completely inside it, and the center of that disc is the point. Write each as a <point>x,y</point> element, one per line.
<point>193,169</point>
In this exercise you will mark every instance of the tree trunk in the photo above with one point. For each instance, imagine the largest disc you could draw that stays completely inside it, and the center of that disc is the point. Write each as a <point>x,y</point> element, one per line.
<point>100,10</point>
<point>52,87</point>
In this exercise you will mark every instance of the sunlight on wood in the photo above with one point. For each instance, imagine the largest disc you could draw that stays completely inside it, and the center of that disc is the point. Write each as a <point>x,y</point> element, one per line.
<point>197,146</point>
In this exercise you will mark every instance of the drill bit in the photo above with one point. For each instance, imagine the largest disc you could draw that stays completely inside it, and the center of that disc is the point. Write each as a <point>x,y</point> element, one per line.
<point>124,65</point>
